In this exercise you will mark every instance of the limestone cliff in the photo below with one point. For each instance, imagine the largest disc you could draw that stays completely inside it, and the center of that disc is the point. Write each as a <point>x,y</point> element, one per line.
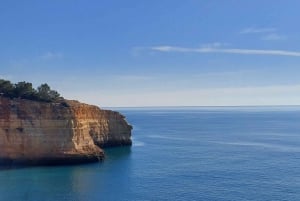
<point>34,132</point>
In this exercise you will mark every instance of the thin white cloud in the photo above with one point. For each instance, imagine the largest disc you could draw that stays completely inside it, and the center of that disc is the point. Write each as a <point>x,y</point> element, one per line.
<point>214,45</point>
<point>273,36</point>
<point>226,51</point>
<point>253,30</point>
<point>51,55</point>
<point>267,33</point>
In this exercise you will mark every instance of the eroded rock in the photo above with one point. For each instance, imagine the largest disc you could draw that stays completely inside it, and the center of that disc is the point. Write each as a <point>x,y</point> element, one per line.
<point>64,132</point>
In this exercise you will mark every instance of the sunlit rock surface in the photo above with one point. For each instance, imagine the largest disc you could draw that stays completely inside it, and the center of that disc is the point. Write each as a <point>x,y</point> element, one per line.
<point>63,132</point>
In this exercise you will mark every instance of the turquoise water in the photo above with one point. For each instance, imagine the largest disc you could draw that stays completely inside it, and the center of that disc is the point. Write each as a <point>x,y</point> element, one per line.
<point>236,153</point>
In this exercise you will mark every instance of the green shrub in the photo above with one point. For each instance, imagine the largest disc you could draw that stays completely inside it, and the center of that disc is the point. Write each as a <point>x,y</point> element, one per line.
<point>26,91</point>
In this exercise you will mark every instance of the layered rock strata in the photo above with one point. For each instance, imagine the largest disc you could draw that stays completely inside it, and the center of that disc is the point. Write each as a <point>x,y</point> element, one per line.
<point>63,132</point>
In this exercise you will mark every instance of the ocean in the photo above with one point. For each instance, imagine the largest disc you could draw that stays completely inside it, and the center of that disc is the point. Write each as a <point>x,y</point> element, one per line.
<point>187,153</point>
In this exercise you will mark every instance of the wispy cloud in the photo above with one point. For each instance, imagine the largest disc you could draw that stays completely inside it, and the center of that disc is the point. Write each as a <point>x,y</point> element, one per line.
<point>214,45</point>
<point>226,51</point>
<point>267,33</point>
<point>273,36</point>
<point>253,30</point>
<point>51,55</point>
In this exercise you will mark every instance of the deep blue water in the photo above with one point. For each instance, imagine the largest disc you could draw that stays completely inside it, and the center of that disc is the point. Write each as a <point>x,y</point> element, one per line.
<point>181,154</point>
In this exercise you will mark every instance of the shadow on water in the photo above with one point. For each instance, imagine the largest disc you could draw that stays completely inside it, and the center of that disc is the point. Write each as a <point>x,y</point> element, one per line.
<point>116,153</point>
<point>90,181</point>
<point>6,167</point>
<point>111,154</point>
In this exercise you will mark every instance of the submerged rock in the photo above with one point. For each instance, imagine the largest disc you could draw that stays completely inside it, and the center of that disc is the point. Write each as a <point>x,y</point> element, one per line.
<point>64,132</point>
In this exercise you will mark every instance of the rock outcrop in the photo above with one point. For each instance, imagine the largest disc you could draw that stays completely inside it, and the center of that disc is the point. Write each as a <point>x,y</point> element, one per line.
<point>66,132</point>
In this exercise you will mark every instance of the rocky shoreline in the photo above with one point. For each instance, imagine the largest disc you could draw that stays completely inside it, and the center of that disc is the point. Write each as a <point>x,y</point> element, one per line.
<point>66,132</point>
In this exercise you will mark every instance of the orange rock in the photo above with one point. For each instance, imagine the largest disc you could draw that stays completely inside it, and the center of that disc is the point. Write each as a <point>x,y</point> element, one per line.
<point>67,132</point>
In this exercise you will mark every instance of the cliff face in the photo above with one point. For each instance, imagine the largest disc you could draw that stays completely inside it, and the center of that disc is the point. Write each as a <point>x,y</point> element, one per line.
<point>52,133</point>
<point>106,127</point>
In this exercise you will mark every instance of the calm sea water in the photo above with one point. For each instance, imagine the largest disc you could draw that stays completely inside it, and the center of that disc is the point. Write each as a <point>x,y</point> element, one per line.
<point>181,154</point>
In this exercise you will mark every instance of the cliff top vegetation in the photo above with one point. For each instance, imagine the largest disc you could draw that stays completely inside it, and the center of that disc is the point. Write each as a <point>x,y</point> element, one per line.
<point>25,90</point>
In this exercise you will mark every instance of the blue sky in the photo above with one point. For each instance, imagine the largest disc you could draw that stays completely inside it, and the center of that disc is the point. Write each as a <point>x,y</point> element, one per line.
<point>155,53</point>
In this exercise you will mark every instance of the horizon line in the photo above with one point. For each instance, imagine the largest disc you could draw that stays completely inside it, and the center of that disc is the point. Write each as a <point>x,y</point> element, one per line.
<point>190,106</point>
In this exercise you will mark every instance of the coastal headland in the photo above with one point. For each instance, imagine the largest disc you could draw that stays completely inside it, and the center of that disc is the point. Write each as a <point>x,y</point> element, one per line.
<point>59,132</point>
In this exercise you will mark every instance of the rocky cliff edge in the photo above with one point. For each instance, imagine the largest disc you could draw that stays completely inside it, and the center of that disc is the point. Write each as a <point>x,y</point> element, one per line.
<point>65,132</point>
